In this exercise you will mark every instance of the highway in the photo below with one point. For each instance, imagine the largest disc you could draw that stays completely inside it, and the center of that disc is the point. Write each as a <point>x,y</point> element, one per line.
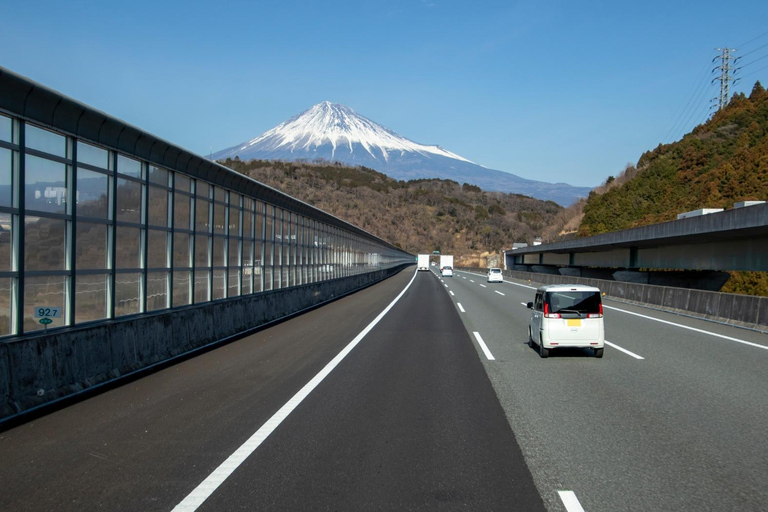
<point>387,400</point>
<point>683,428</point>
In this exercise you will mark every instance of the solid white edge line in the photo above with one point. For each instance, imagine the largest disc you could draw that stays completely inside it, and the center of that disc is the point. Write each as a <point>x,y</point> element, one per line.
<point>483,346</point>
<point>461,308</point>
<point>198,495</point>
<point>689,328</point>
<point>570,501</point>
<point>497,291</point>
<point>623,350</point>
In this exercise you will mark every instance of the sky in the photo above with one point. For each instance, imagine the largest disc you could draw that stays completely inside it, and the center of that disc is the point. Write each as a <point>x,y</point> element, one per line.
<point>556,91</point>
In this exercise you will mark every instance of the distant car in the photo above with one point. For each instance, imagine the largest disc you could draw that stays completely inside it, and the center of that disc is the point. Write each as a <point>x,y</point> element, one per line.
<point>567,315</point>
<point>495,275</point>
<point>446,272</point>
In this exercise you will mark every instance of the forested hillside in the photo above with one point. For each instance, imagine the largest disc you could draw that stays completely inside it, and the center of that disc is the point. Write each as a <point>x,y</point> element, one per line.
<point>723,161</point>
<point>417,215</point>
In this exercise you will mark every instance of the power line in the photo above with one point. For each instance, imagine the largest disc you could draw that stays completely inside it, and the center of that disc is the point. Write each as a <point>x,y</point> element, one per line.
<point>753,61</point>
<point>754,72</point>
<point>753,39</point>
<point>681,111</point>
<point>752,51</point>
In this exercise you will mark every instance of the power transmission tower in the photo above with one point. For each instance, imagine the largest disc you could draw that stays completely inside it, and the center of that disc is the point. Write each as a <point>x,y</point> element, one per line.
<point>726,68</point>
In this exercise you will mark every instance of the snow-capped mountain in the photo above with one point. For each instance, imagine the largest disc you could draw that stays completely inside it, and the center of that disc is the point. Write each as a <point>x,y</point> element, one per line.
<point>335,132</point>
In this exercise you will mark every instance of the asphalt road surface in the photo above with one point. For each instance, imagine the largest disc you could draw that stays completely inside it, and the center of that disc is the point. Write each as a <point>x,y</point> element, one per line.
<point>408,420</point>
<point>683,428</point>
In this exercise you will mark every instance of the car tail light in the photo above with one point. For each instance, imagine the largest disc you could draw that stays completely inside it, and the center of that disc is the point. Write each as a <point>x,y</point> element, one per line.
<point>597,315</point>
<point>547,314</point>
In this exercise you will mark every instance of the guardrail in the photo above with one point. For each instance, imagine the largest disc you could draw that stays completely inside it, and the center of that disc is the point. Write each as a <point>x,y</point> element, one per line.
<point>741,310</point>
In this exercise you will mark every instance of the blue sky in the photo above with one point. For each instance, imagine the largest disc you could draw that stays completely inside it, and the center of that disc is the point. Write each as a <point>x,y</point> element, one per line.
<point>555,90</point>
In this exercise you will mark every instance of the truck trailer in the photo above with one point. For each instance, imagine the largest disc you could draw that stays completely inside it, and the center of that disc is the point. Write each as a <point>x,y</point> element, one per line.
<point>422,261</point>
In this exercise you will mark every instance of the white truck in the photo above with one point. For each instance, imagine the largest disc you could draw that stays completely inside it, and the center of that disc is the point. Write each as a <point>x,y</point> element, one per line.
<point>422,261</point>
<point>446,261</point>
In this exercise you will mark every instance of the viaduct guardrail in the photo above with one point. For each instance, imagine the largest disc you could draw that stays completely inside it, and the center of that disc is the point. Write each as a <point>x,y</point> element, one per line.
<point>120,250</point>
<point>702,247</point>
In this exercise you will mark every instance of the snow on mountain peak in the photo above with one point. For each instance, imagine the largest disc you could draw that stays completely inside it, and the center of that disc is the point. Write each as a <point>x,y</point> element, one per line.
<point>339,126</point>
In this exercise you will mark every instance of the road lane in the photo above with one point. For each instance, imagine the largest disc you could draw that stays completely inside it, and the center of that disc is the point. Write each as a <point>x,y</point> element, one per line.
<point>408,421</point>
<point>675,431</point>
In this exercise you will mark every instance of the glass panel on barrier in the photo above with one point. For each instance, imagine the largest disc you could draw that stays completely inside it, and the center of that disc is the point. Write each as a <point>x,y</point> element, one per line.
<point>157,249</point>
<point>182,287</point>
<point>247,285</point>
<point>92,194</point>
<point>182,255</point>
<point>91,246</point>
<point>219,290</point>
<point>128,247</point>
<point>233,283</point>
<point>127,294</point>
<point>6,177</point>
<point>157,290</point>
<point>44,243</point>
<point>181,211</point>
<point>6,129</point>
<point>44,292</point>
<point>219,251</point>
<point>202,251</point>
<point>129,201</point>
<point>233,249</point>
<point>44,140</point>
<point>6,289</point>
<point>158,207</point>
<point>46,185</point>
<point>91,293</point>
<point>202,285</point>
<point>6,243</point>
<point>181,182</point>
<point>234,221</point>
<point>158,175</point>
<point>219,218</point>
<point>202,215</point>
<point>93,155</point>
<point>129,166</point>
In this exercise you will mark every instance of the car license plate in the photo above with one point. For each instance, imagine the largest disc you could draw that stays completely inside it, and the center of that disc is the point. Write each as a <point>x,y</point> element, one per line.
<point>574,322</point>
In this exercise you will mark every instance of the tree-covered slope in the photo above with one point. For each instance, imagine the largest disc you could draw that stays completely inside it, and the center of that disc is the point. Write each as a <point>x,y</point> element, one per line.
<point>723,161</point>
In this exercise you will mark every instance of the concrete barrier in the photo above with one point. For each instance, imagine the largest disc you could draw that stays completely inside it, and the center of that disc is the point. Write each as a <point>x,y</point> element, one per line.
<point>742,310</point>
<point>37,370</point>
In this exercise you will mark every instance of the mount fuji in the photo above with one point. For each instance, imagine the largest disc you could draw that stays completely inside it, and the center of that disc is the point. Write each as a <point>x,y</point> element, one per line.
<point>337,133</point>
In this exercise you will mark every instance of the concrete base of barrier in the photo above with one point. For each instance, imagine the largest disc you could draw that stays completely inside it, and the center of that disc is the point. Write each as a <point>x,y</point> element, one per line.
<point>38,370</point>
<point>742,310</point>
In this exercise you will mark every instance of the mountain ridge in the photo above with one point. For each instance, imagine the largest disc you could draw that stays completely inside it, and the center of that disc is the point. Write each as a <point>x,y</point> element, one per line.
<point>333,132</point>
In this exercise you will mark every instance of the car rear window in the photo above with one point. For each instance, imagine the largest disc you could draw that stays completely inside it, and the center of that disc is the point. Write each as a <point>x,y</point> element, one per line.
<point>576,302</point>
<point>495,271</point>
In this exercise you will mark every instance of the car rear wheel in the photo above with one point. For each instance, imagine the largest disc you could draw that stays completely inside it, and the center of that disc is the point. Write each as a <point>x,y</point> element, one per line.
<point>543,352</point>
<point>598,352</point>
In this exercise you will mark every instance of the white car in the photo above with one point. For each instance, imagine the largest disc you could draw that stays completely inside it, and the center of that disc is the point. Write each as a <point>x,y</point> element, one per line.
<point>567,315</point>
<point>446,272</point>
<point>495,275</point>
